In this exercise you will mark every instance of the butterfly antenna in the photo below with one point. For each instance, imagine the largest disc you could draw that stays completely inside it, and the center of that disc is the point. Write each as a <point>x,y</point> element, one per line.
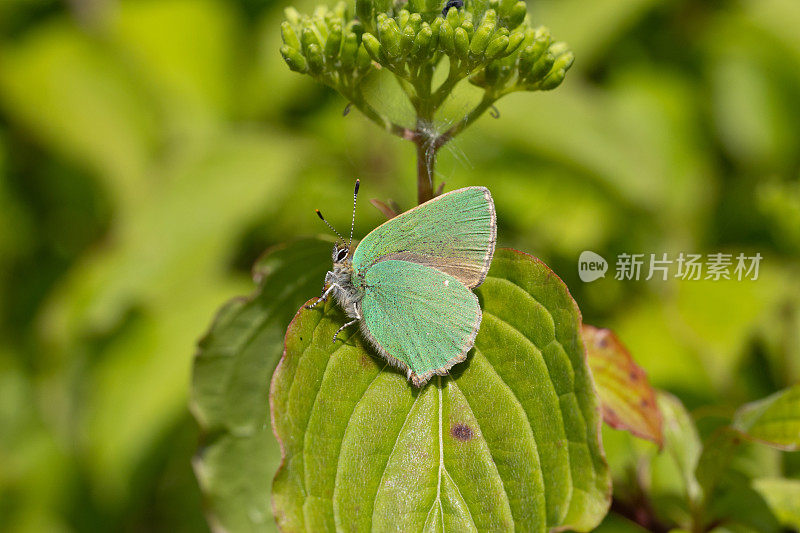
<point>319,214</point>
<point>353,221</point>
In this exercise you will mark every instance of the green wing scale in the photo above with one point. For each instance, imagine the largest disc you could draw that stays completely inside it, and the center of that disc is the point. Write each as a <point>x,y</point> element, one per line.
<point>454,233</point>
<point>420,319</point>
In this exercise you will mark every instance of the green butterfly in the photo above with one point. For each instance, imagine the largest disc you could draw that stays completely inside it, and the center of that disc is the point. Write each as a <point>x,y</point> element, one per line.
<point>408,282</point>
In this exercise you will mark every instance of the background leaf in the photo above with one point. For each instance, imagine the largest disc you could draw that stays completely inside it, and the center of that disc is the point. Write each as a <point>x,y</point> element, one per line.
<point>239,455</point>
<point>783,497</point>
<point>363,449</point>
<point>775,420</point>
<point>681,442</point>
<point>628,399</point>
<point>718,451</point>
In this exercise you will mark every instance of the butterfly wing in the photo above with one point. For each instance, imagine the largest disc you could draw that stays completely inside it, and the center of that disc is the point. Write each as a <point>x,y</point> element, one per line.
<point>421,319</point>
<point>454,233</point>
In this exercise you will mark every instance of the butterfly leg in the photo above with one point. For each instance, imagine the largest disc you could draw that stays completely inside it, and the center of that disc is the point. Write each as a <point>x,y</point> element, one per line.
<point>348,324</point>
<point>325,292</point>
<point>335,335</point>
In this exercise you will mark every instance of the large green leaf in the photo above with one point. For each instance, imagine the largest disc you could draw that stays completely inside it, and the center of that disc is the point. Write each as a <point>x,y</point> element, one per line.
<point>509,440</point>
<point>230,384</point>
<point>775,420</point>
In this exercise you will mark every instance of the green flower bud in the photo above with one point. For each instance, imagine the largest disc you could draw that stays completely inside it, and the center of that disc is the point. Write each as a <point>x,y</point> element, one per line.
<point>402,18</point>
<point>497,47</point>
<point>461,40</point>
<point>542,35</point>
<point>322,27</point>
<point>446,38</point>
<point>540,68</point>
<point>484,32</point>
<point>422,42</point>
<point>517,14</point>
<point>364,61</point>
<point>557,71</point>
<point>530,37</point>
<point>514,42</point>
<point>469,28</point>
<point>415,21</point>
<point>315,60</point>
<point>292,15</point>
<point>435,27</point>
<point>479,41</point>
<point>373,47</point>
<point>532,53</point>
<point>308,38</point>
<point>340,11</point>
<point>407,40</point>
<point>294,59</point>
<point>334,42</point>
<point>454,18</point>
<point>527,58</point>
<point>364,11</point>
<point>350,50</point>
<point>557,74</point>
<point>289,36</point>
<point>489,20</point>
<point>559,48</point>
<point>320,12</point>
<point>564,61</point>
<point>389,34</point>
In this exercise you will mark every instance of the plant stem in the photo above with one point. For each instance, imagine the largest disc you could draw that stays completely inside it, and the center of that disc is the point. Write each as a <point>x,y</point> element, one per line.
<point>640,513</point>
<point>426,159</point>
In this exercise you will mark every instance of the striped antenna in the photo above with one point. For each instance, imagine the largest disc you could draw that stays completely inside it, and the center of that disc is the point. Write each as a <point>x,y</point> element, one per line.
<point>353,221</point>
<point>319,214</point>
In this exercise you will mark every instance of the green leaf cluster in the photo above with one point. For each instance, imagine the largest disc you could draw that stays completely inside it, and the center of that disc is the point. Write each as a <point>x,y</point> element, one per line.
<point>732,475</point>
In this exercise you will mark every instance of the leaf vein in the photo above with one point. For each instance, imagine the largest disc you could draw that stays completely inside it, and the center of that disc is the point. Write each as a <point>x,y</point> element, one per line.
<point>341,442</point>
<point>311,412</point>
<point>389,457</point>
<point>568,501</point>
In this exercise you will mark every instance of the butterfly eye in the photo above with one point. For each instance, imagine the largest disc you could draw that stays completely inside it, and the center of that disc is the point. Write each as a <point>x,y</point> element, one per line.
<point>341,255</point>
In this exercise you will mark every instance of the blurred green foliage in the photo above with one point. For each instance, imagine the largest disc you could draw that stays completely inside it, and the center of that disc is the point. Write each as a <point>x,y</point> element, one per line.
<point>150,150</point>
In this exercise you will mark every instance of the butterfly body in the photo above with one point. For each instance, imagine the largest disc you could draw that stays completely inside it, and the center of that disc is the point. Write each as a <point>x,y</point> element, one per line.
<point>346,284</point>
<point>408,283</point>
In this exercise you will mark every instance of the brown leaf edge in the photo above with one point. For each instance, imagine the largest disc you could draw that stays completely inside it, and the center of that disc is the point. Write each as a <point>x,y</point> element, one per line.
<point>602,343</point>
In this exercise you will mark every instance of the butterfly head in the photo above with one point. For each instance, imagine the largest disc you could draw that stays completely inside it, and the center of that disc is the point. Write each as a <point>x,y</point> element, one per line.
<point>340,254</point>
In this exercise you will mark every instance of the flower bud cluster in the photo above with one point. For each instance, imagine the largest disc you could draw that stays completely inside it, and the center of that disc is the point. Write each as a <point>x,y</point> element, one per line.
<point>326,45</point>
<point>536,64</point>
<point>489,42</point>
